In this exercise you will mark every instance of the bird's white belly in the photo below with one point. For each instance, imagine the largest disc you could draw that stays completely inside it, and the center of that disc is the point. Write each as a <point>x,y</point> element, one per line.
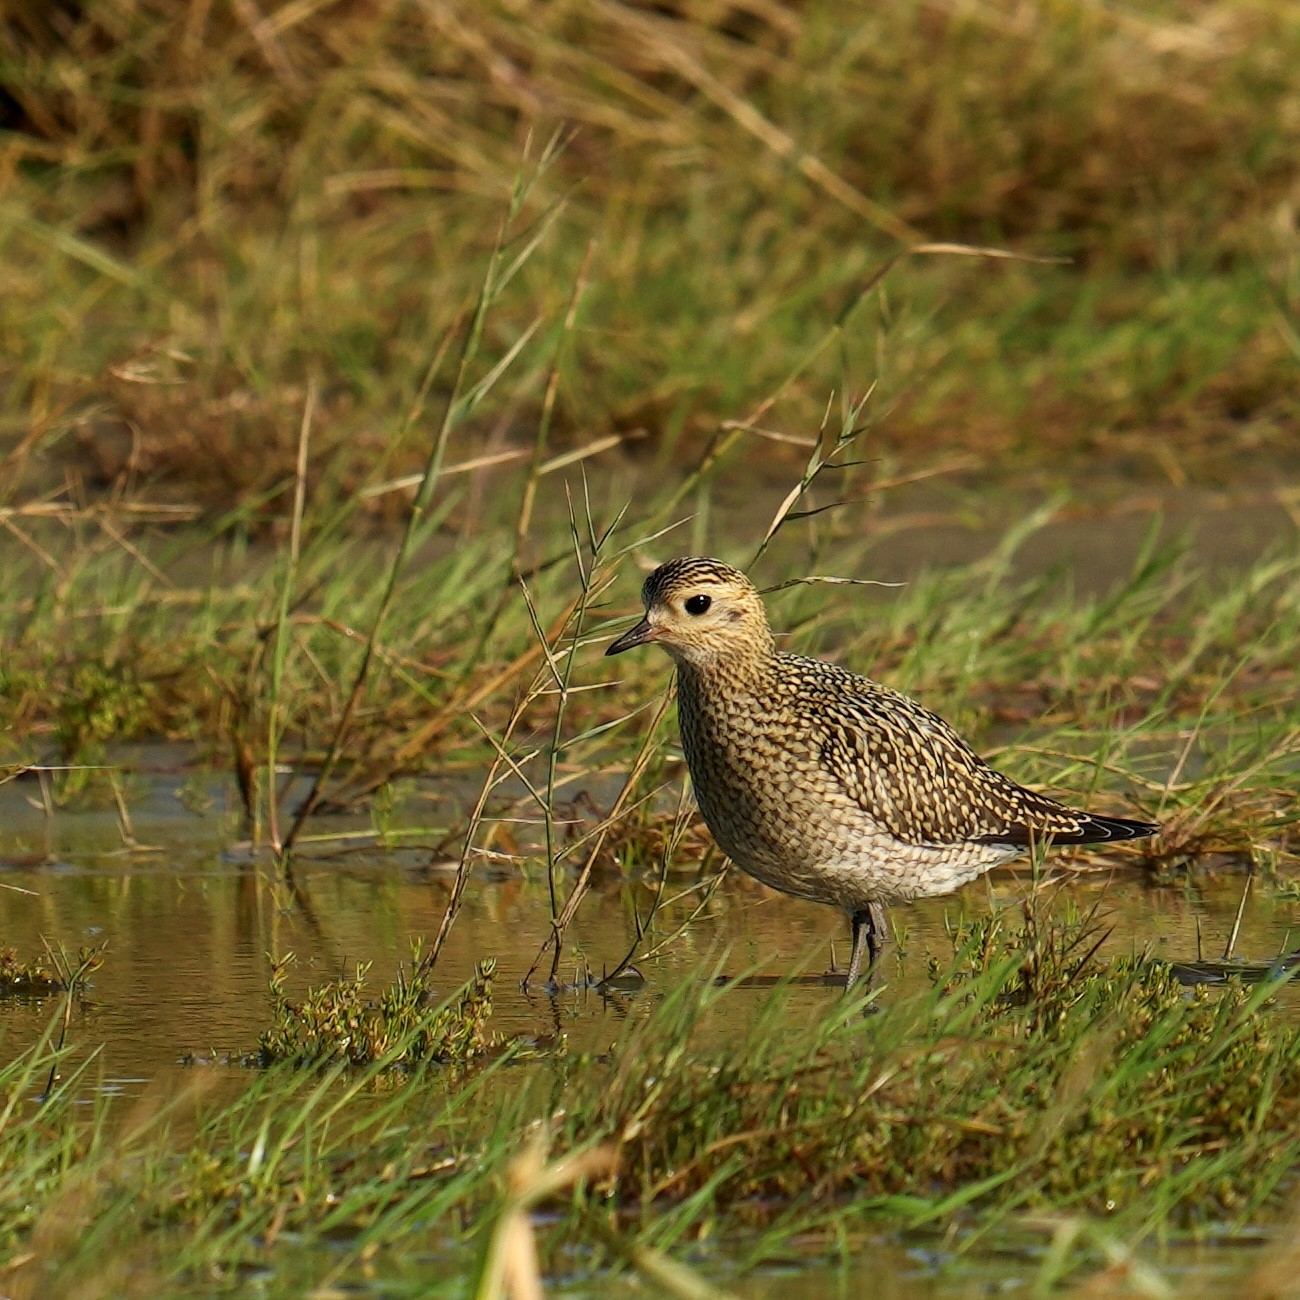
<point>878,868</point>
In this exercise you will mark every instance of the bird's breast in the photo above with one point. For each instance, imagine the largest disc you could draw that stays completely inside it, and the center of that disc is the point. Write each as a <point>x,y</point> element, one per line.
<point>751,769</point>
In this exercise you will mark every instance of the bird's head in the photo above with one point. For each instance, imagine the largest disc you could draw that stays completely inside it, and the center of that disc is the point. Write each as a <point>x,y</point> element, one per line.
<point>702,612</point>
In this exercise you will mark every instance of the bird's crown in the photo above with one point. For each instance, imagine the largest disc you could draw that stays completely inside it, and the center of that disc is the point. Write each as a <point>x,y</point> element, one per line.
<point>691,571</point>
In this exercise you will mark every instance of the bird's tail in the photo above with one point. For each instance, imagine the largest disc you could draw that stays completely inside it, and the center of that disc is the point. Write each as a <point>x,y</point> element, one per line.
<point>1100,830</point>
<point>1083,828</point>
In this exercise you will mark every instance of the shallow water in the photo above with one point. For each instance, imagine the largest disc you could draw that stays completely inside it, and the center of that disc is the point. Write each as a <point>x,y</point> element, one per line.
<point>189,919</point>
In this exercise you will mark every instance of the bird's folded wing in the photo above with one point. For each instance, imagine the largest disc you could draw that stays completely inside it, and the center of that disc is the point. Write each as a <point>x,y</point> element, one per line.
<point>911,772</point>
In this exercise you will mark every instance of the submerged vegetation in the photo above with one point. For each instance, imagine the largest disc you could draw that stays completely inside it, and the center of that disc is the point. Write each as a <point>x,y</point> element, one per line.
<point>59,973</point>
<point>356,357</point>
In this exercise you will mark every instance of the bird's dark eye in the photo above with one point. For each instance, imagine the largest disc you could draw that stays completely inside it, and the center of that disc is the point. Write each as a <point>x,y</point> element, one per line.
<point>698,604</point>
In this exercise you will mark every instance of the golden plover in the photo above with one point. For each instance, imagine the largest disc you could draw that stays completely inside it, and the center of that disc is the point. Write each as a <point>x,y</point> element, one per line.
<point>824,784</point>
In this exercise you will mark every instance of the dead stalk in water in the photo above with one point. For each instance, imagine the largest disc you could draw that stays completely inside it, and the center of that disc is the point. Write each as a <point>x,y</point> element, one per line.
<point>280,649</point>
<point>502,766</point>
<point>555,940</point>
<point>681,821</point>
<point>458,404</point>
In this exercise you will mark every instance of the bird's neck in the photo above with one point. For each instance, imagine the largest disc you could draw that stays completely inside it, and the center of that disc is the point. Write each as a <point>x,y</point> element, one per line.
<point>737,671</point>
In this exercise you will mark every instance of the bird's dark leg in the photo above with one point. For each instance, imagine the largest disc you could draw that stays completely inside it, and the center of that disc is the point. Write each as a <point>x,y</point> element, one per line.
<point>868,940</point>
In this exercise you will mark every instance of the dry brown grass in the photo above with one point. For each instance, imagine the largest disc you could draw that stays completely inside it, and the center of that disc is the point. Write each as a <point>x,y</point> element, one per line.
<point>205,206</point>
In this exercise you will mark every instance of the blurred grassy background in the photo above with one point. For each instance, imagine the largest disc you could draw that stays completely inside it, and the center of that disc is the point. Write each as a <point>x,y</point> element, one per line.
<point>206,205</point>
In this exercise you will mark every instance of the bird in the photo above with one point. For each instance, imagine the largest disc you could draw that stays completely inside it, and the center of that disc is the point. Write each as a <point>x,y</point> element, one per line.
<point>825,784</point>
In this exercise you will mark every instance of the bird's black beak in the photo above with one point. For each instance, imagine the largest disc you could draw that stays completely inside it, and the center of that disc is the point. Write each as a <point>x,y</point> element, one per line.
<point>634,636</point>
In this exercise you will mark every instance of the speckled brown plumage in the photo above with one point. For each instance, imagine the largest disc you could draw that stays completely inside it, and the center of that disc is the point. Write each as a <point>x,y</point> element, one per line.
<point>822,783</point>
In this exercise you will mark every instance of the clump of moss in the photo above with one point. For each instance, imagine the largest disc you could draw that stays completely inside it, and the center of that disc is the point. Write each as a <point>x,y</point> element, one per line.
<point>338,1021</point>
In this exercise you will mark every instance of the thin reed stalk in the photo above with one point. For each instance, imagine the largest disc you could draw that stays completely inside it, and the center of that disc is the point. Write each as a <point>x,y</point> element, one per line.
<point>458,403</point>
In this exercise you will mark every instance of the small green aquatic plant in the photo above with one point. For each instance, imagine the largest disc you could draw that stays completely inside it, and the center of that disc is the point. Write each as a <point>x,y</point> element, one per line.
<point>26,978</point>
<point>339,1021</point>
<point>59,973</point>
